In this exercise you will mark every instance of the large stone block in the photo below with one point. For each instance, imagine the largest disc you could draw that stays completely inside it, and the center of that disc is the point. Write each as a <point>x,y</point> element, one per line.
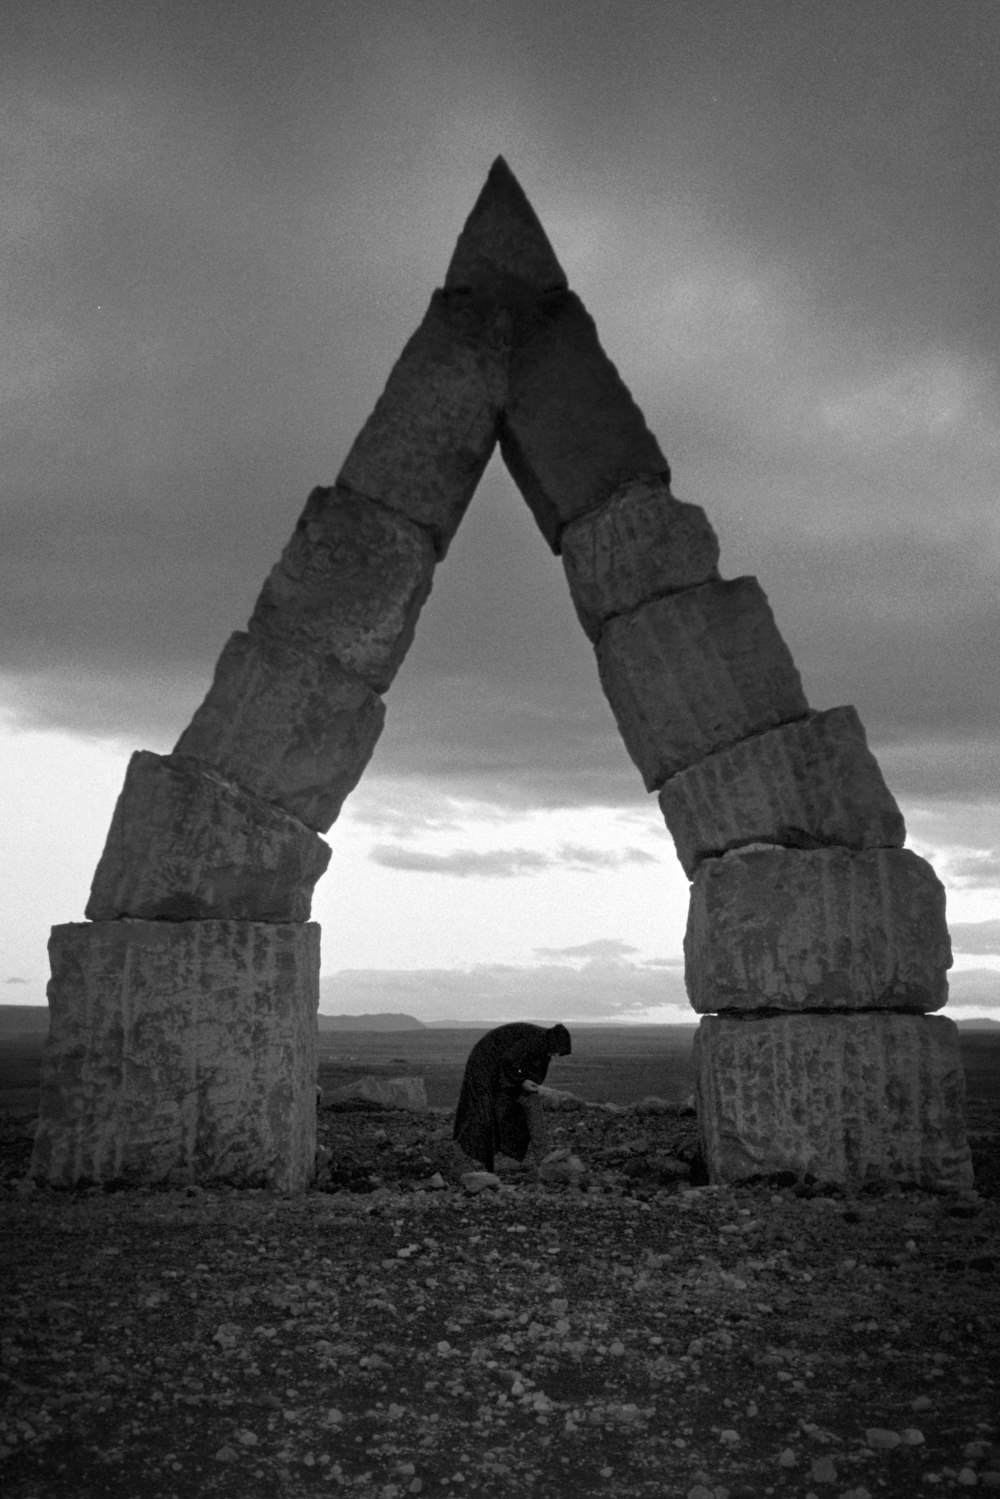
<point>639,544</point>
<point>571,434</point>
<point>813,929</point>
<point>804,784</point>
<point>187,845</point>
<point>349,584</point>
<point>691,673</point>
<point>180,1052</point>
<point>294,729</point>
<point>425,446</point>
<point>842,1098</point>
<point>503,252</point>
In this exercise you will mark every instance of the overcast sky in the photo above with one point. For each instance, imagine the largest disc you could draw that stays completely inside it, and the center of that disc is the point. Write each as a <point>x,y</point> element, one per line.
<point>222,221</point>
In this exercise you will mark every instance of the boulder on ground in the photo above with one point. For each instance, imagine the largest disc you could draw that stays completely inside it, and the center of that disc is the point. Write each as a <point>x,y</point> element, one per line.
<point>812,929</point>
<point>292,728</point>
<point>805,784</point>
<point>562,1168</point>
<point>641,543</point>
<point>180,1052</point>
<point>350,585</point>
<point>475,1182</point>
<point>389,1092</point>
<point>694,672</point>
<point>187,845</point>
<point>558,1098</point>
<point>840,1098</point>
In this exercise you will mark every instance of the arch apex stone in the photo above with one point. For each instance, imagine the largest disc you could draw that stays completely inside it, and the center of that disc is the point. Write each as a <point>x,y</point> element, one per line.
<point>503,251</point>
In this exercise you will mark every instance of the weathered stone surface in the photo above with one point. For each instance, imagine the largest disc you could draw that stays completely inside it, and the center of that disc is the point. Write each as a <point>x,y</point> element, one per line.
<point>180,1051</point>
<point>503,251</point>
<point>391,1092</point>
<point>350,584</point>
<point>562,1167</point>
<point>640,544</point>
<point>691,673</point>
<point>294,729</point>
<point>187,845</point>
<point>475,1182</point>
<point>844,1098</point>
<point>815,929</point>
<point>424,448</point>
<point>804,785</point>
<point>571,435</point>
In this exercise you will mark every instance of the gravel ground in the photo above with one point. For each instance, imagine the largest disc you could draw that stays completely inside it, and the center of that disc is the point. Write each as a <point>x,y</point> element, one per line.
<point>393,1333</point>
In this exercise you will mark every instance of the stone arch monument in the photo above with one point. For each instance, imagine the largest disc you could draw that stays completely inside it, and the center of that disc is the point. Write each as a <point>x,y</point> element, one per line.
<point>182,1039</point>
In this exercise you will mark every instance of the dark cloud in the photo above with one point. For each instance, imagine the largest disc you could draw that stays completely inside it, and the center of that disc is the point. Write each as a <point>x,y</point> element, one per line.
<point>505,863</point>
<point>601,947</point>
<point>979,937</point>
<point>541,992</point>
<point>975,986</point>
<point>977,869</point>
<point>220,229</point>
<point>15,980</point>
<point>497,863</point>
<point>578,857</point>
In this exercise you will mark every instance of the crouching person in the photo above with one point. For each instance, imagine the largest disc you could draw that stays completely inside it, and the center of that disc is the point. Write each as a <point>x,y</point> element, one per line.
<point>497,1113</point>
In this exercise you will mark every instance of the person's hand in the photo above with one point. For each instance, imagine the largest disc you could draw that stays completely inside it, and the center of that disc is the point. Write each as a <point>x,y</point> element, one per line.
<point>528,1086</point>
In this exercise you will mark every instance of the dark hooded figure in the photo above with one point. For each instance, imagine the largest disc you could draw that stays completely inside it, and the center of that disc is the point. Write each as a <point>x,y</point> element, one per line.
<point>504,1065</point>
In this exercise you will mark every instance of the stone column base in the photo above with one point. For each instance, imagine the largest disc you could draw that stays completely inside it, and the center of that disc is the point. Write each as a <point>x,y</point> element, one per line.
<point>180,1052</point>
<point>848,1098</point>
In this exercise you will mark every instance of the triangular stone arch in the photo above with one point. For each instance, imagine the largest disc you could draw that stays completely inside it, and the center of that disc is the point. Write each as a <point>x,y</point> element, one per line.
<point>815,942</point>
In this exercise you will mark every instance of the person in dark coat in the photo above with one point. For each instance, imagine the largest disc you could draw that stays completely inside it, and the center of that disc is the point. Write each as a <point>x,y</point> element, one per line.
<point>503,1066</point>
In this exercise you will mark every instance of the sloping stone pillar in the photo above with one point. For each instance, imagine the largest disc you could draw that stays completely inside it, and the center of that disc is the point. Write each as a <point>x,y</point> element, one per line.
<point>183,1016</point>
<point>183,1019</point>
<point>815,943</point>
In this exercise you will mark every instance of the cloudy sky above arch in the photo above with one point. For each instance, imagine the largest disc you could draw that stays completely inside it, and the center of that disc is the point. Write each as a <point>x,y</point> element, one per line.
<point>217,237</point>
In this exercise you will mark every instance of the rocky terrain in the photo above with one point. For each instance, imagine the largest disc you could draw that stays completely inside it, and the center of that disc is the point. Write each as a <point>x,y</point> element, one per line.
<point>627,1331</point>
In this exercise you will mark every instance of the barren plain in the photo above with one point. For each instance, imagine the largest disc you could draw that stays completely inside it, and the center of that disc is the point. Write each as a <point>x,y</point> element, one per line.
<point>390,1333</point>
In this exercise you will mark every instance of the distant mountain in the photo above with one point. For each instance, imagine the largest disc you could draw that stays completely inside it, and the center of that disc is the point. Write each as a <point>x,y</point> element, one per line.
<point>463,1025</point>
<point>381,1022</point>
<point>978,1025</point>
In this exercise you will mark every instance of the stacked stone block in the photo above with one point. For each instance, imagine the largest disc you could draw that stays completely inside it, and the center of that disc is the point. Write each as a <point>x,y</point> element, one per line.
<point>571,435</point>
<point>803,901</point>
<point>294,729</point>
<point>872,1095</point>
<point>180,1051</point>
<point>812,783</point>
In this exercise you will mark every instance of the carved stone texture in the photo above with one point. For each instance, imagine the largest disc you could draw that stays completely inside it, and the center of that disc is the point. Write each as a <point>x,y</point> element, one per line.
<point>844,1098</point>
<point>350,584</point>
<point>424,448</point>
<point>180,1052</point>
<point>638,545</point>
<point>294,729</point>
<point>805,784</point>
<point>186,845</point>
<point>694,672</point>
<point>503,252</point>
<point>817,929</point>
<point>571,435</point>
